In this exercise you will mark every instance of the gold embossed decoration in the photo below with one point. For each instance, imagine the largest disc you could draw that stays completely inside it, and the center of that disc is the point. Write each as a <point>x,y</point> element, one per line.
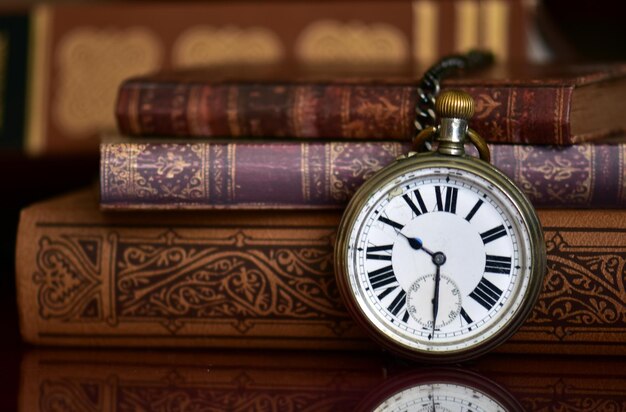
<point>330,41</point>
<point>91,64</point>
<point>210,46</point>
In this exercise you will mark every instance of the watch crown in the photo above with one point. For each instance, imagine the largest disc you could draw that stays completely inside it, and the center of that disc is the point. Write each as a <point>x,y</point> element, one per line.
<point>454,104</point>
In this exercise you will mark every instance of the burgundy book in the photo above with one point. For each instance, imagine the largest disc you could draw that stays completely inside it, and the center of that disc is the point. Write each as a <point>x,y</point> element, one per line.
<point>278,174</point>
<point>522,104</point>
<point>260,279</point>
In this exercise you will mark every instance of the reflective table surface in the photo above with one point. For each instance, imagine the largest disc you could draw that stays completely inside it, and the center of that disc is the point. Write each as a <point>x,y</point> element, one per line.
<point>69,379</point>
<point>59,380</point>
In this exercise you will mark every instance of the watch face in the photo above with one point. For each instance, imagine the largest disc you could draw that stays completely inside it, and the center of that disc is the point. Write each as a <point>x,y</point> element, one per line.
<point>438,261</point>
<point>439,396</point>
<point>445,390</point>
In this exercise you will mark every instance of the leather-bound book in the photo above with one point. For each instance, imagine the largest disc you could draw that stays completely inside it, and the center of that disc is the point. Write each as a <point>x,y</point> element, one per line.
<point>521,103</point>
<point>166,380</point>
<point>266,280</point>
<point>81,53</point>
<point>322,175</point>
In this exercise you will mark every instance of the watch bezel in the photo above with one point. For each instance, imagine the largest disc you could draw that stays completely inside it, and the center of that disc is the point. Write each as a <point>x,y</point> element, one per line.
<point>470,165</point>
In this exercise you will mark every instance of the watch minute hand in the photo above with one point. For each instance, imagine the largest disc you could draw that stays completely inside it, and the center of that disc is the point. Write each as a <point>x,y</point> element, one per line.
<point>436,298</point>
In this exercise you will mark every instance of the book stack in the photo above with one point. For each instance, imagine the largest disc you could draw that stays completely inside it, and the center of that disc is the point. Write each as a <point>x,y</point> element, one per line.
<point>222,193</point>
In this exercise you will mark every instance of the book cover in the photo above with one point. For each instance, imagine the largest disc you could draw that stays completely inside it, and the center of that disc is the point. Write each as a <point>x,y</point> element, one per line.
<point>285,175</point>
<point>266,280</point>
<point>82,52</point>
<point>530,104</point>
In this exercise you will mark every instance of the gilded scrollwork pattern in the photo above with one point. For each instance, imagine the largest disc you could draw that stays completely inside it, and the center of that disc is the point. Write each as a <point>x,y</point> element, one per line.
<point>206,45</point>
<point>568,393</point>
<point>92,62</point>
<point>164,399</point>
<point>227,279</point>
<point>281,174</point>
<point>70,395</point>
<point>352,164</point>
<point>69,279</point>
<point>584,290</point>
<point>581,176</point>
<point>170,173</point>
<point>240,278</point>
<point>134,386</point>
<point>354,43</point>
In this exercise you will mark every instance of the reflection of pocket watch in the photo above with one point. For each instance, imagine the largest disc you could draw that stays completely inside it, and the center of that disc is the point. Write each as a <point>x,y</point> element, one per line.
<point>440,390</point>
<point>439,255</point>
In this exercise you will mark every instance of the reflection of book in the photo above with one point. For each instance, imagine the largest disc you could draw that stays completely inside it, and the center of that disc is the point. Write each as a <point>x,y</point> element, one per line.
<point>550,384</point>
<point>278,174</point>
<point>521,104</point>
<point>109,381</point>
<point>261,279</point>
<point>83,52</point>
<point>129,380</point>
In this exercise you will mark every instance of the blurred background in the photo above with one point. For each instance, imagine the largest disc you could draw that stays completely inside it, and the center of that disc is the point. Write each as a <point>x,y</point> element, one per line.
<point>62,61</point>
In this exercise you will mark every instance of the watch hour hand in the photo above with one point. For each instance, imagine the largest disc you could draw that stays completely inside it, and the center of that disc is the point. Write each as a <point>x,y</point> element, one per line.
<point>416,244</point>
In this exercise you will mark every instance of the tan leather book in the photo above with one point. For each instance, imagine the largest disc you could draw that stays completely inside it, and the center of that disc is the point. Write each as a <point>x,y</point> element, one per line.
<point>264,279</point>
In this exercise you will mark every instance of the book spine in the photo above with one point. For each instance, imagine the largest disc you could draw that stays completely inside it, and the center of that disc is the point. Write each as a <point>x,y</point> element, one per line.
<point>210,175</point>
<point>228,279</point>
<point>259,110</point>
<point>504,114</point>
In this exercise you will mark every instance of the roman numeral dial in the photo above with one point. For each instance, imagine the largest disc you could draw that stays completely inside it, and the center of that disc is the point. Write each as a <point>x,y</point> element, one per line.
<point>498,264</point>
<point>493,234</point>
<point>418,208</point>
<point>379,252</point>
<point>399,286</point>
<point>447,202</point>
<point>486,294</point>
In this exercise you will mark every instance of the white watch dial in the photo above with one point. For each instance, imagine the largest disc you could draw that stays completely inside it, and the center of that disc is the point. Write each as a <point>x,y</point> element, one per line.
<point>439,259</point>
<point>448,397</point>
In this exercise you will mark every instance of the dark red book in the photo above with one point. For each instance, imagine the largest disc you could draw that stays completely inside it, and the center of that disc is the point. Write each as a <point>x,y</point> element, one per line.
<point>523,104</point>
<point>278,174</point>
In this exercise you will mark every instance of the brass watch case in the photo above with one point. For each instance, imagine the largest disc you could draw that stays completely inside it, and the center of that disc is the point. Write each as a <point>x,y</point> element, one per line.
<point>468,164</point>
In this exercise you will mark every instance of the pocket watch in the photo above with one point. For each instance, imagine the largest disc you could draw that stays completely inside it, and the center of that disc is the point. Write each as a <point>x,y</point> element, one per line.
<point>440,389</point>
<point>439,256</point>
